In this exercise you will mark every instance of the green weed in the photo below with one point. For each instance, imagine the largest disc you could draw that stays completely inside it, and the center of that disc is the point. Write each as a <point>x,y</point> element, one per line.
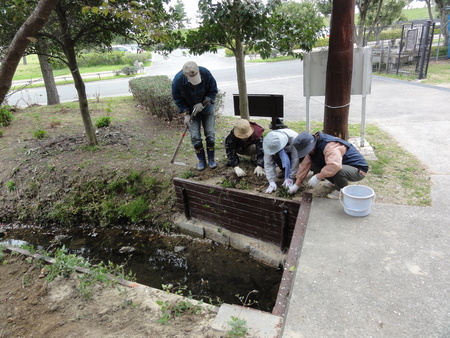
<point>40,134</point>
<point>238,327</point>
<point>172,310</point>
<point>103,122</point>
<point>10,186</point>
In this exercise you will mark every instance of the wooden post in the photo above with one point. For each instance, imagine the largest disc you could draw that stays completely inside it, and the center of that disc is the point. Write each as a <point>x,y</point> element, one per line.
<point>339,69</point>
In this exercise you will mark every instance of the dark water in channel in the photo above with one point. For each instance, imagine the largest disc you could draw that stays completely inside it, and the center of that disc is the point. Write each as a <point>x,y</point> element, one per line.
<point>208,270</point>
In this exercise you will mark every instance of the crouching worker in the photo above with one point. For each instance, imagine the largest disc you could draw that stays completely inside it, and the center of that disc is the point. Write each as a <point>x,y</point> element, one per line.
<point>194,90</point>
<point>279,150</point>
<point>329,158</point>
<point>245,139</point>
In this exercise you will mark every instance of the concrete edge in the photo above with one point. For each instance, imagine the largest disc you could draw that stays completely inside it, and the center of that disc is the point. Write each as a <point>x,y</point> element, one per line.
<point>258,323</point>
<point>260,251</point>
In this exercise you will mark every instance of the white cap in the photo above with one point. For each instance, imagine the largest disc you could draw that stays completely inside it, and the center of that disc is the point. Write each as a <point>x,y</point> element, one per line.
<point>191,71</point>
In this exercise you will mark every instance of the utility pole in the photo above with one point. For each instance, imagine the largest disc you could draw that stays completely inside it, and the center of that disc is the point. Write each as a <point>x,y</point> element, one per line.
<point>339,69</point>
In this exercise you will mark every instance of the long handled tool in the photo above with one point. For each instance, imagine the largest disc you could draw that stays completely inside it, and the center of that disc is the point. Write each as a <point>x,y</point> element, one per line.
<point>180,142</point>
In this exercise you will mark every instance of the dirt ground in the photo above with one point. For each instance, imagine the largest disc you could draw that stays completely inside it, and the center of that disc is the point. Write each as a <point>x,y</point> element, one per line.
<point>33,307</point>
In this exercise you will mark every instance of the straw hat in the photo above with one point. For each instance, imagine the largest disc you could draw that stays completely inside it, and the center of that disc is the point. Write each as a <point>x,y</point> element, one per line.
<point>190,69</point>
<point>304,143</point>
<point>243,129</point>
<point>274,142</point>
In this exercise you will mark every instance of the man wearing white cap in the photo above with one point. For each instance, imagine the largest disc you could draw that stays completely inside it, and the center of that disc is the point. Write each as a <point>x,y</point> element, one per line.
<point>194,90</point>
<point>245,139</point>
<point>279,151</point>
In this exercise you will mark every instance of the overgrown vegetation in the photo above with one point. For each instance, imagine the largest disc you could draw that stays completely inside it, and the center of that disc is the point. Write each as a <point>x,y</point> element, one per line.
<point>136,198</point>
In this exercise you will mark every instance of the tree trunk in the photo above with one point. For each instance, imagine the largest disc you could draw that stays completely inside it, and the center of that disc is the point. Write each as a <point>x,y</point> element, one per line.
<point>242,83</point>
<point>339,69</point>
<point>81,91</point>
<point>49,80</point>
<point>69,51</point>
<point>21,40</point>
<point>430,11</point>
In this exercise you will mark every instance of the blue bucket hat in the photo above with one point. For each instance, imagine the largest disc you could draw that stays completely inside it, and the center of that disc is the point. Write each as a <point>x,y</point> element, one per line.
<point>274,142</point>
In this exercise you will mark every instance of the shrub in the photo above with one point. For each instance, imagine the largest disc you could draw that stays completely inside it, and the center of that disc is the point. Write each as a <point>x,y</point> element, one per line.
<point>107,58</point>
<point>154,93</point>
<point>442,51</point>
<point>129,70</point>
<point>5,116</point>
<point>40,134</point>
<point>103,122</point>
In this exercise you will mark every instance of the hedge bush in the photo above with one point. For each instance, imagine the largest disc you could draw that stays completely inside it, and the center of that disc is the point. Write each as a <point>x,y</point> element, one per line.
<point>154,93</point>
<point>99,59</point>
<point>443,51</point>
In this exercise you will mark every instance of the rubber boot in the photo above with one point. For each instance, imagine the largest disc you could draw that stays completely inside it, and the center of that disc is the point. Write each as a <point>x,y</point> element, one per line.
<point>212,164</point>
<point>201,159</point>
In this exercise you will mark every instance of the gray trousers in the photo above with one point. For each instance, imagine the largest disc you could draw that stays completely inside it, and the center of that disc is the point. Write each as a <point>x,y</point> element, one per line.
<point>343,176</point>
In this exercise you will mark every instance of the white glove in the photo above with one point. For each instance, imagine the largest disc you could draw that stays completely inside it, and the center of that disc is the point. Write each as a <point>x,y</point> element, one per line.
<point>198,108</point>
<point>259,171</point>
<point>239,172</point>
<point>272,187</point>
<point>287,183</point>
<point>313,181</point>
<point>293,189</point>
<point>187,120</point>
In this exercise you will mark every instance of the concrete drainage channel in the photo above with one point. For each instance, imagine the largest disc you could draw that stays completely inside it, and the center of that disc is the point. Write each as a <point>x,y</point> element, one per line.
<point>271,230</point>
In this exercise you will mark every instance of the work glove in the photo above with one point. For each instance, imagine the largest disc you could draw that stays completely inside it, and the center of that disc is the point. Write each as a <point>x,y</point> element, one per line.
<point>293,189</point>
<point>272,187</point>
<point>287,183</point>
<point>198,108</point>
<point>239,172</point>
<point>313,181</point>
<point>187,120</point>
<point>259,171</point>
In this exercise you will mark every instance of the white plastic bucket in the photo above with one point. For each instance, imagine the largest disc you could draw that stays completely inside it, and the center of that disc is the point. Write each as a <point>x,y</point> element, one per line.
<point>357,200</point>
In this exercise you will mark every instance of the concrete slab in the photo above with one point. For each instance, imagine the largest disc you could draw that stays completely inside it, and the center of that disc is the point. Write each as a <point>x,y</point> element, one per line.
<point>384,275</point>
<point>259,324</point>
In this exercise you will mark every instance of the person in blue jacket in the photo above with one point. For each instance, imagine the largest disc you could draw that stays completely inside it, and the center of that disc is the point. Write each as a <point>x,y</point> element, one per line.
<point>194,90</point>
<point>330,158</point>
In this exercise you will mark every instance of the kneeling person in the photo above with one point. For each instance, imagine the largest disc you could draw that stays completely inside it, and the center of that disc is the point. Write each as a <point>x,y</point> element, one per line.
<point>329,158</point>
<point>245,139</point>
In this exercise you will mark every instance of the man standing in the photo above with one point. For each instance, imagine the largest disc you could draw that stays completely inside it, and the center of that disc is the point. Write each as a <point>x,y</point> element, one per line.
<point>329,158</point>
<point>245,139</point>
<point>194,90</point>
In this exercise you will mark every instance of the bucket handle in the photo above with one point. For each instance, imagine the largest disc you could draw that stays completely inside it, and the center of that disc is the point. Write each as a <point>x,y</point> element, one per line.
<point>354,210</point>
